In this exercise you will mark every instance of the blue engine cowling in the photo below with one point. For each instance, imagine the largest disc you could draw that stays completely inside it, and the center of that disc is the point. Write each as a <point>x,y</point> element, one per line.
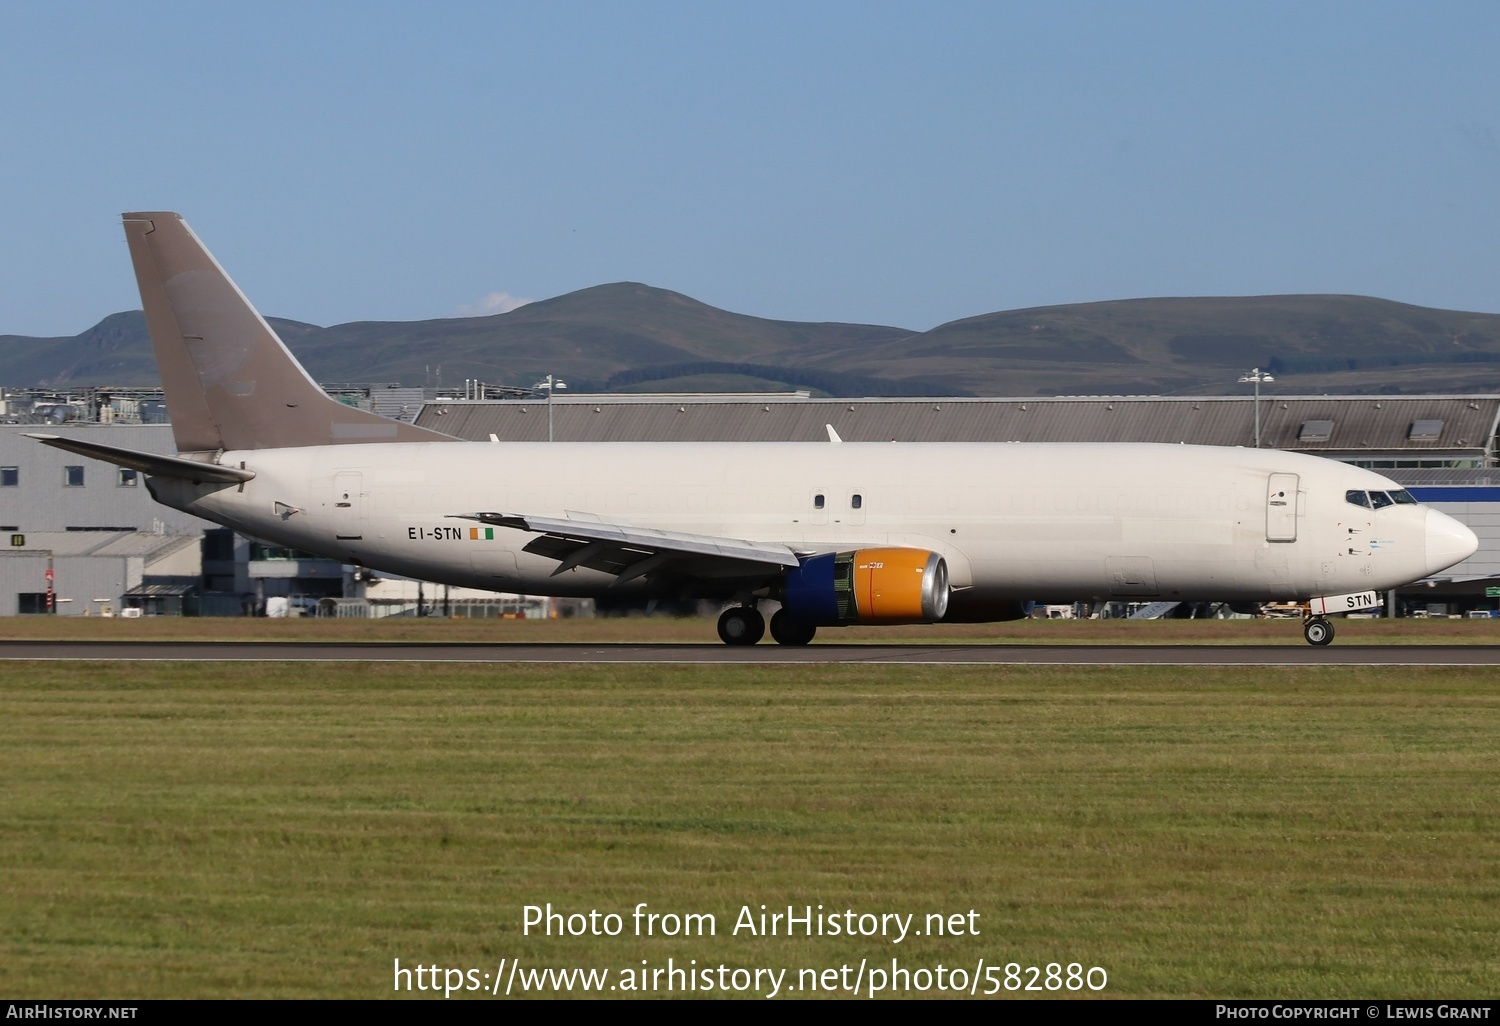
<point>884,585</point>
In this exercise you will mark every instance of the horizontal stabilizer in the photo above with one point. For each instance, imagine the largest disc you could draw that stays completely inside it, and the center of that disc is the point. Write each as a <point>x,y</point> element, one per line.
<point>147,462</point>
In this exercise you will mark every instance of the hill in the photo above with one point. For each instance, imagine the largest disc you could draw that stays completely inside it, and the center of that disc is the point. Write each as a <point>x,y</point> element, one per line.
<point>1312,343</point>
<point>116,351</point>
<point>632,337</point>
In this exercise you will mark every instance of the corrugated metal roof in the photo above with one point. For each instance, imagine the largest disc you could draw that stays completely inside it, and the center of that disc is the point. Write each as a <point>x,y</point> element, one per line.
<point>68,543</point>
<point>1359,424</point>
<point>151,546</point>
<point>162,590</point>
<point>105,543</point>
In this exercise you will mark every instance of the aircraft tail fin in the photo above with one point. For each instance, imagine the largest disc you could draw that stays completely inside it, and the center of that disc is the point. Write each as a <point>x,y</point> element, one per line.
<point>230,382</point>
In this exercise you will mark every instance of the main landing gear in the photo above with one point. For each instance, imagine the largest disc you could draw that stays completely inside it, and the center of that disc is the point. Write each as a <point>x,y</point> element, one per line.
<point>1317,630</point>
<point>787,631</point>
<point>743,625</point>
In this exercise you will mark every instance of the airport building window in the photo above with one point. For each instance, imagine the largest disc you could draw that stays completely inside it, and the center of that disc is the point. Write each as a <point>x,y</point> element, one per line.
<point>1315,431</point>
<point>32,603</point>
<point>10,477</point>
<point>260,551</point>
<point>1461,464</point>
<point>128,477</point>
<point>73,477</point>
<point>219,544</point>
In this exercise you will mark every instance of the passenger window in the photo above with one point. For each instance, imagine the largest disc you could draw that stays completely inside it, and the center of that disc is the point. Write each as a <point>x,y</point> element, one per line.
<point>817,502</point>
<point>1358,498</point>
<point>857,501</point>
<point>1380,500</point>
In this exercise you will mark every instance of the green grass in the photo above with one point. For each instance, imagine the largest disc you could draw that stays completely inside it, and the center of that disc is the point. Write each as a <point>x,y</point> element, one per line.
<point>206,830</point>
<point>664,630</point>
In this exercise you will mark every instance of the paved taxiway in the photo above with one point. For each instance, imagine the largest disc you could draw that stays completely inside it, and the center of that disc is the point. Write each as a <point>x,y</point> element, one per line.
<point>1048,655</point>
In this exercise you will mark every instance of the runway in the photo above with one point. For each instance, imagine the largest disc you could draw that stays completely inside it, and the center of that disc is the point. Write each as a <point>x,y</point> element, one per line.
<point>763,655</point>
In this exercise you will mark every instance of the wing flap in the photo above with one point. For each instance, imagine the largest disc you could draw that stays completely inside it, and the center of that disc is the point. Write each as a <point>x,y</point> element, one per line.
<point>629,552</point>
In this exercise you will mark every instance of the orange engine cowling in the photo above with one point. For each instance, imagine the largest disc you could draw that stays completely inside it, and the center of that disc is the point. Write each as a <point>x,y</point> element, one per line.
<point>868,586</point>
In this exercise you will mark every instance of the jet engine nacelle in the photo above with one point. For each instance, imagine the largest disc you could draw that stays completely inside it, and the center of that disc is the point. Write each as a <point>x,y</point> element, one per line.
<point>868,586</point>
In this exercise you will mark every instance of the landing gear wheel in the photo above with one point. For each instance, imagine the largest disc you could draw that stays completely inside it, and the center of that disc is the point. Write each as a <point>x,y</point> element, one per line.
<point>1318,631</point>
<point>788,631</point>
<point>741,625</point>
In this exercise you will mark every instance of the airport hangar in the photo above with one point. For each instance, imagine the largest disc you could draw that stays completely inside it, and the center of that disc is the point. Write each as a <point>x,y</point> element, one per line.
<point>111,546</point>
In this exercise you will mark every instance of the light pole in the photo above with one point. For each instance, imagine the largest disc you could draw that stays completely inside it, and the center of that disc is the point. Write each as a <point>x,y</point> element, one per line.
<point>1257,376</point>
<point>550,385</point>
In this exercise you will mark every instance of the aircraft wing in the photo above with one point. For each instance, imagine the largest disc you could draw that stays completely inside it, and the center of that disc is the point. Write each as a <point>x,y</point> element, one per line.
<point>631,552</point>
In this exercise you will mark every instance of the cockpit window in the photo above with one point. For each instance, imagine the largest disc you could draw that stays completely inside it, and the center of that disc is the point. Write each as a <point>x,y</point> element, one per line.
<point>1380,500</point>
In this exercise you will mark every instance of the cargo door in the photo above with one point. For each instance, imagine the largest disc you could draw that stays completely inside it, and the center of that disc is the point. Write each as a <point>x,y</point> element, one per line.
<point>492,561</point>
<point>1281,508</point>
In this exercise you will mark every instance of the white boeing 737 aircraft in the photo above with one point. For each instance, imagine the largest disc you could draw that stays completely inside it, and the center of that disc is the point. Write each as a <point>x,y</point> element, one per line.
<point>837,533</point>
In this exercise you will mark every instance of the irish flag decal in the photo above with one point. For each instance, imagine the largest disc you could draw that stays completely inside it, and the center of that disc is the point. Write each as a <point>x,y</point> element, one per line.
<point>481,534</point>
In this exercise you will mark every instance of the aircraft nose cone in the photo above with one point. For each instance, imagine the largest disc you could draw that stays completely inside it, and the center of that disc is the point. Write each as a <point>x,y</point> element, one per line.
<point>1448,542</point>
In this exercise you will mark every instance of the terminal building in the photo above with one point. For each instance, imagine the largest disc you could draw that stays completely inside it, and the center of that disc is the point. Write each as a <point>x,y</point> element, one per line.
<point>1441,448</point>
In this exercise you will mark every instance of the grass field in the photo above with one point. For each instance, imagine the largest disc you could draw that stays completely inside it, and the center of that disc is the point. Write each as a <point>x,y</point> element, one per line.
<point>230,829</point>
<point>700,630</point>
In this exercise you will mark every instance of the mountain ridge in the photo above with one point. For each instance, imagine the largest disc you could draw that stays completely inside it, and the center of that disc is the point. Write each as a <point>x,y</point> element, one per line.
<point>627,335</point>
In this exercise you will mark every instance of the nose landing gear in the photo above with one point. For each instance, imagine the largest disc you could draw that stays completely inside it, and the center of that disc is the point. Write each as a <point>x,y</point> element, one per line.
<point>1317,630</point>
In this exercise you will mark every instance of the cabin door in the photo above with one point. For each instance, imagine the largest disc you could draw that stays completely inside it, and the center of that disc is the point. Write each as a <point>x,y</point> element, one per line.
<point>348,506</point>
<point>1281,508</point>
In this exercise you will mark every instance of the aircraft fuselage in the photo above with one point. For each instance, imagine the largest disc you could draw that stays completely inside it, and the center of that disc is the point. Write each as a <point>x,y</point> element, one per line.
<point>1013,521</point>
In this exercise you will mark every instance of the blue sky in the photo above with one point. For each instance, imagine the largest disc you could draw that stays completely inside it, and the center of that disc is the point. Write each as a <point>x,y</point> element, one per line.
<point>896,163</point>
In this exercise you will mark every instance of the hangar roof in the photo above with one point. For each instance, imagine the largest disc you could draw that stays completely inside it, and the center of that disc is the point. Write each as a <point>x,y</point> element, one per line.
<point>105,543</point>
<point>1459,426</point>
